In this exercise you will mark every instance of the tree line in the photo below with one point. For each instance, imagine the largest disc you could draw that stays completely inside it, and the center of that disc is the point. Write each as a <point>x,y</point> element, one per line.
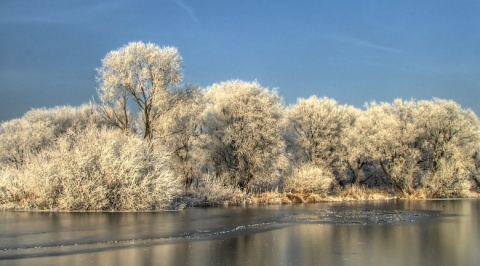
<point>150,143</point>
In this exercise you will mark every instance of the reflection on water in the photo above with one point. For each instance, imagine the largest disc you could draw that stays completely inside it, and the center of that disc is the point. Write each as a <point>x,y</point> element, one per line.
<point>379,233</point>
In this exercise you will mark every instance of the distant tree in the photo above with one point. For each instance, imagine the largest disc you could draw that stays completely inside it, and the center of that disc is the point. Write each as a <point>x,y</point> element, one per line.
<point>316,133</point>
<point>242,126</point>
<point>141,73</point>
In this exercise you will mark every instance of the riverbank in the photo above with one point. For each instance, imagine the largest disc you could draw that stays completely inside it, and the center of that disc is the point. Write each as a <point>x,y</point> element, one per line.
<point>237,198</point>
<point>350,193</point>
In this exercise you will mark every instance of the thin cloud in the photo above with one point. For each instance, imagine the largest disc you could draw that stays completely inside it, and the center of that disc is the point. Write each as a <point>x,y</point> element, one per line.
<point>379,47</point>
<point>368,45</point>
<point>187,9</point>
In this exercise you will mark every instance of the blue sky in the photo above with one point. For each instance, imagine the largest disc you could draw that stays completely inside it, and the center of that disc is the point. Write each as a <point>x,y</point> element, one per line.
<point>352,51</point>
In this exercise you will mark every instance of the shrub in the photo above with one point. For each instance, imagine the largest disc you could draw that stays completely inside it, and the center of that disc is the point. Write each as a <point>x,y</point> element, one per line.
<point>213,191</point>
<point>99,169</point>
<point>308,178</point>
<point>39,128</point>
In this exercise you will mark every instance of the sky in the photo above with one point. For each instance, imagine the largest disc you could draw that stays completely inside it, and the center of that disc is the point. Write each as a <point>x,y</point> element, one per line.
<point>352,51</point>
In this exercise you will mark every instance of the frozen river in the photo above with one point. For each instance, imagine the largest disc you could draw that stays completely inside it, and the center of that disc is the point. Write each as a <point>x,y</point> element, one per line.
<point>397,232</point>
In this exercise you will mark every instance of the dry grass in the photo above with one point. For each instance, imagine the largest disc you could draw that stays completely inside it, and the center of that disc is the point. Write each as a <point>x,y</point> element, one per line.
<point>350,193</point>
<point>473,194</point>
<point>355,192</point>
<point>213,192</point>
<point>267,198</point>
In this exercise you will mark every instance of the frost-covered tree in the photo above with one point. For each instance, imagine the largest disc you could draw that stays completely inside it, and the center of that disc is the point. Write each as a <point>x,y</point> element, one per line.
<point>427,145</point>
<point>179,131</point>
<point>139,73</point>
<point>387,136</point>
<point>449,138</point>
<point>316,133</point>
<point>475,168</point>
<point>242,126</point>
<point>39,128</point>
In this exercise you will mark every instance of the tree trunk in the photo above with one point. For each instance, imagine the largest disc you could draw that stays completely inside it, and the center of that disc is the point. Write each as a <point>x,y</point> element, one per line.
<point>477,182</point>
<point>394,182</point>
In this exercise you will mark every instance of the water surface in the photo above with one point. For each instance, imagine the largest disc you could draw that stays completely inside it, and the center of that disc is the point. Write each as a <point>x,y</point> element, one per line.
<point>401,232</point>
